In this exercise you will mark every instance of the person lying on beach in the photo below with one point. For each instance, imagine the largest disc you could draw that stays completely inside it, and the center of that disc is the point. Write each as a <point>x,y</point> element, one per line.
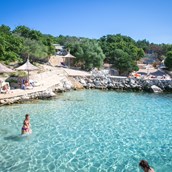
<point>145,166</point>
<point>26,85</point>
<point>26,125</point>
<point>5,89</point>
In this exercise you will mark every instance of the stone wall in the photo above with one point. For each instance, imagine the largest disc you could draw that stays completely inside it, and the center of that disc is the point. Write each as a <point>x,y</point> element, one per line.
<point>124,83</point>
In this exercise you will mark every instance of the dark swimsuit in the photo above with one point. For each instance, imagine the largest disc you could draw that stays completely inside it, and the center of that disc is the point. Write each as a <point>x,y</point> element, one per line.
<point>24,128</point>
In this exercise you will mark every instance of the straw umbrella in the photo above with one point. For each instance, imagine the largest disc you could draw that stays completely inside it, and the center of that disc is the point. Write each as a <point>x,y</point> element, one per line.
<point>27,67</point>
<point>69,56</point>
<point>4,69</point>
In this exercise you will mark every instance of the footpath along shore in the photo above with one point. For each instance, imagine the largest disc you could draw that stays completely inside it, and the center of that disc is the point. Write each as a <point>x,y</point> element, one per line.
<point>60,79</point>
<point>50,82</point>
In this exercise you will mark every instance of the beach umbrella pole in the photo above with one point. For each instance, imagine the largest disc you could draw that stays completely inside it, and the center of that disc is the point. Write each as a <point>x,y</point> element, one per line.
<point>28,75</point>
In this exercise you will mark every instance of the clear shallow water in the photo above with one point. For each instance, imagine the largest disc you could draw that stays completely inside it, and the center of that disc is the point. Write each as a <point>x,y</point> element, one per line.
<point>89,131</point>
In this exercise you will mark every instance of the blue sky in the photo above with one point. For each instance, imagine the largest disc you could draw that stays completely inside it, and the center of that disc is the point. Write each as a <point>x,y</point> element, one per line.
<point>139,19</point>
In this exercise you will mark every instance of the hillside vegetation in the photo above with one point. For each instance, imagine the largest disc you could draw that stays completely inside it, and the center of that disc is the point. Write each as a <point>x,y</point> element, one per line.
<point>120,51</point>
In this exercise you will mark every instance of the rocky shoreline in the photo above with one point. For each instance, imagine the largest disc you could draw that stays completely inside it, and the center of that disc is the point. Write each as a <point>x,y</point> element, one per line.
<point>94,82</point>
<point>124,83</point>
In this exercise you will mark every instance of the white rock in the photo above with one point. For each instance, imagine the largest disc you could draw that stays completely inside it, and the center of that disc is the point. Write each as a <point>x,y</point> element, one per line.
<point>82,81</point>
<point>132,81</point>
<point>25,97</point>
<point>156,89</point>
<point>67,86</point>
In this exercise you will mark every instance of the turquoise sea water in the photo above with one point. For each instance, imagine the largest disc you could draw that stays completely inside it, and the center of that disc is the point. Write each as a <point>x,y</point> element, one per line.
<point>89,131</point>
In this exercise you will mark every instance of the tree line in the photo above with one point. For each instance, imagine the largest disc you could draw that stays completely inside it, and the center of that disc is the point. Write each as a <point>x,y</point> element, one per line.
<point>18,44</point>
<point>120,51</point>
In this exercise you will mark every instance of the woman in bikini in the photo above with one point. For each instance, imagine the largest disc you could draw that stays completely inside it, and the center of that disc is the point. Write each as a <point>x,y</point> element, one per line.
<point>26,125</point>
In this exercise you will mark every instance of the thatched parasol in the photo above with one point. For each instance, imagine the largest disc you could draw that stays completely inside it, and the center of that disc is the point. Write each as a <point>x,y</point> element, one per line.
<point>68,56</point>
<point>4,69</point>
<point>27,67</point>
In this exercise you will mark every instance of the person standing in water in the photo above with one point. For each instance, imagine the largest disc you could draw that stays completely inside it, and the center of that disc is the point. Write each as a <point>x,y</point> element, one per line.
<point>145,166</point>
<point>26,125</point>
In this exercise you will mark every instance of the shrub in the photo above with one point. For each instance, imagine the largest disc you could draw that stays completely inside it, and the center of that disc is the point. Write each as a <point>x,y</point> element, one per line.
<point>168,60</point>
<point>18,74</point>
<point>12,80</point>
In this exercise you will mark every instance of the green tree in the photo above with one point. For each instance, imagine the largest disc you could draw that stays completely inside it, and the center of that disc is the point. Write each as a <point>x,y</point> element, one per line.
<point>34,49</point>
<point>5,30</point>
<point>121,51</point>
<point>93,55</point>
<point>123,62</point>
<point>10,45</point>
<point>144,44</point>
<point>168,60</point>
<point>35,44</point>
<point>22,31</point>
<point>88,53</point>
<point>166,48</point>
<point>111,42</point>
